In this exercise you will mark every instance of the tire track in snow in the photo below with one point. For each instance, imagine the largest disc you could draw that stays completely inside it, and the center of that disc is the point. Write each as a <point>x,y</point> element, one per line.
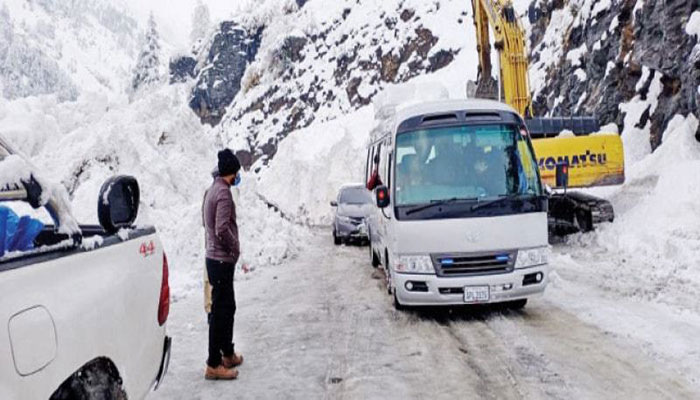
<point>593,363</point>
<point>496,379</point>
<point>506,370</point>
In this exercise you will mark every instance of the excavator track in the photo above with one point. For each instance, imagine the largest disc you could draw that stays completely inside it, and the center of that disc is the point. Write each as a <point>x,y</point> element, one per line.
<point>575,212</point>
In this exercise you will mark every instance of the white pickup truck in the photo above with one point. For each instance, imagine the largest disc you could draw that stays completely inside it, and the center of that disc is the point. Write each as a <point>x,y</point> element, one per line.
<point>83,311</point>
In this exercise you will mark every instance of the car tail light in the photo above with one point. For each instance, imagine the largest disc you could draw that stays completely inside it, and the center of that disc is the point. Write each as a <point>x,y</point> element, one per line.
<point>164,303</point>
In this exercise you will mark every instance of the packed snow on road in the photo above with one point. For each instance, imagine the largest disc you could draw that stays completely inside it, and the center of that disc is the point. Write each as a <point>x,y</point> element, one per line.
<point>293,96</point>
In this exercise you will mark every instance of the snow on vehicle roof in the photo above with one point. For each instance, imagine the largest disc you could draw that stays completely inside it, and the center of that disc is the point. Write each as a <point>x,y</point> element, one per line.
<point>13,170</point>
<point>401,102</point>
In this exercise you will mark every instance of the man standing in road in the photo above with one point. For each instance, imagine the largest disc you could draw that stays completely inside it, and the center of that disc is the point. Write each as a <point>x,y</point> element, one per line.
<point>222,253</point>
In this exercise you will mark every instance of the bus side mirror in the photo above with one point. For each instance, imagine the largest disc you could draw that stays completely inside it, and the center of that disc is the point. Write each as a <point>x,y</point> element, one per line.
<point>334,203</point>
<point>382,194</point>
<point>562,175</point>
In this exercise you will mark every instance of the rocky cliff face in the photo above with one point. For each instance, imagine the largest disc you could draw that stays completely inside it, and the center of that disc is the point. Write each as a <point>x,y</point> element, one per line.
<point>266,77</point>
<point>629,62</point>
<point>232,49</point>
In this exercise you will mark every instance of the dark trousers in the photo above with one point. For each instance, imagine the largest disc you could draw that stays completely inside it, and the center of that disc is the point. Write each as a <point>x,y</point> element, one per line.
<point>223,309</point>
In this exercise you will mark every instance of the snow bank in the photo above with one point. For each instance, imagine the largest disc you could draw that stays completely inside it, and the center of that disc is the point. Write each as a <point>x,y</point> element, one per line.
<point>638,277</point>
<point>653,244</point>
<point>313,163</point>
<point>33,123</point>
<point>160,141</point>
<point>671,204</point>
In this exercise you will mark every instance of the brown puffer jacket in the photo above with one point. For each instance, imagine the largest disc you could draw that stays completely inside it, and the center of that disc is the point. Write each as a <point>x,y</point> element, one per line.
<point>220,223</point>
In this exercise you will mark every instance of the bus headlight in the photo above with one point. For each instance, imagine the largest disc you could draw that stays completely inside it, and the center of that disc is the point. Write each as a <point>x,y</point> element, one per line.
<point>532,257</point>
<point>414,265</point>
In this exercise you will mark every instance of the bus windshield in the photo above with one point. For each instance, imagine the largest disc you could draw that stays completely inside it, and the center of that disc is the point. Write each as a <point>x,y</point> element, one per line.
<point>464,162</point>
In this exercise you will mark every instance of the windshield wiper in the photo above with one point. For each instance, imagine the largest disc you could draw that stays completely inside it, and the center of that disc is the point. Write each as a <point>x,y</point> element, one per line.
<point>501,198</point>
<point>436,203</point>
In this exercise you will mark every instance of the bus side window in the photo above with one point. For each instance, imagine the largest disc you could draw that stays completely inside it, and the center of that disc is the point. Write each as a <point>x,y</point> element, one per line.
<point>388,171</point>
<point>368,164</point>
<point>382,163</point>
<point>377,161</point>
<point>375,170</point>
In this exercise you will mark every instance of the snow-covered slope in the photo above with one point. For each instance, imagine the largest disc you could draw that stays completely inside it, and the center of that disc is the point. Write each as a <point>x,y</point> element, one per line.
<point>310,64</point>
<point>65,47</point>
<point>157,140</point>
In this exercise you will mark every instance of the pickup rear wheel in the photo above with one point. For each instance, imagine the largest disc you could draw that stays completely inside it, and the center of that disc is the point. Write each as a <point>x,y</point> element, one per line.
<point>97,380</point>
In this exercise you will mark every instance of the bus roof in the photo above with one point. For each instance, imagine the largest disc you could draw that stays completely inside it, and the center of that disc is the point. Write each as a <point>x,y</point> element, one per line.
<point>446,106</point>
<point>390,122</point>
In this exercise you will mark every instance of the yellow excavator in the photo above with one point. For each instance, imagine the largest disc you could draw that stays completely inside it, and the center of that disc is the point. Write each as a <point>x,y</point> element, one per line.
<point>592,158</point>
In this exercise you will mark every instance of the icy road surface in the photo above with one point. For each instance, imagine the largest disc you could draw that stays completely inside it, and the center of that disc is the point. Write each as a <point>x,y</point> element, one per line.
<point>322,326</point>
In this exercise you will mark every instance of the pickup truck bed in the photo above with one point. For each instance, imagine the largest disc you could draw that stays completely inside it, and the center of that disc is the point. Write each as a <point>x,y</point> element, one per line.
<point>69,306</point>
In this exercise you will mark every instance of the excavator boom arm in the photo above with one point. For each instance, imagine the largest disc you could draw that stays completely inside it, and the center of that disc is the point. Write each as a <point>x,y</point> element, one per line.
<point>509,38</point>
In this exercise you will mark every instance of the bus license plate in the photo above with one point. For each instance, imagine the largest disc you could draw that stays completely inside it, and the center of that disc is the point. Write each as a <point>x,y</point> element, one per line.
<point>476,294</point>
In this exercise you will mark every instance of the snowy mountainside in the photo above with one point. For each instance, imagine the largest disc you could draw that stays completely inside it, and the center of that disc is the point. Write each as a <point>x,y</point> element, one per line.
<point>65,48</point>
<point>311,64</point>
<point>635,63</point>
<point>82,130</point>
<point>172,158</point>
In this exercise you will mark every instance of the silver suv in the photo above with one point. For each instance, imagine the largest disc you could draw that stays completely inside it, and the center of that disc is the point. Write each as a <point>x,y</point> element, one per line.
<point>352,208</point>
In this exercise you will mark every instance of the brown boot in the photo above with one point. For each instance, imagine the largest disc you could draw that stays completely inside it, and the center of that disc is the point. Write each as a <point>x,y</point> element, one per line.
<point>220,373</point>
<point>232,360</point>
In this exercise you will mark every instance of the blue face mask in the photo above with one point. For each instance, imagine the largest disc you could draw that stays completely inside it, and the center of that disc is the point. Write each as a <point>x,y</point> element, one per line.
<point>237,181</point>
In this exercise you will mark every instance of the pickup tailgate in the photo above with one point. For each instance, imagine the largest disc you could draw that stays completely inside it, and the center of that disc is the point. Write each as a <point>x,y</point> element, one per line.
<point>67,308</point>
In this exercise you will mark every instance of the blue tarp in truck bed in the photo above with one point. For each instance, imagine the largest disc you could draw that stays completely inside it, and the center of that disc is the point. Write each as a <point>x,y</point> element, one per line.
<point>17,233</point>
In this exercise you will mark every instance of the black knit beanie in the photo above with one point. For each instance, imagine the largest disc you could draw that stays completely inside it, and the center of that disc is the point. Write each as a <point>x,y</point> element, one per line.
<point>228,163</point>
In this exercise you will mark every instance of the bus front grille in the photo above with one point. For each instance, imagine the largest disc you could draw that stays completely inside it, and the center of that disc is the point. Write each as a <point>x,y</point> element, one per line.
<point>469,264</point>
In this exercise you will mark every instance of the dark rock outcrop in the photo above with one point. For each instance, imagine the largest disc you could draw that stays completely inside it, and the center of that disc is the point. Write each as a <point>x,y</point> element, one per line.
<point>622,41</point>
<point>182,69</point>
<point>232,49</point>
<point>663,46</point>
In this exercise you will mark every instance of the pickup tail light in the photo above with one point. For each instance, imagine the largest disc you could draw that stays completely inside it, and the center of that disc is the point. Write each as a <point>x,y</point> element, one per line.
<point>164,303</point>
